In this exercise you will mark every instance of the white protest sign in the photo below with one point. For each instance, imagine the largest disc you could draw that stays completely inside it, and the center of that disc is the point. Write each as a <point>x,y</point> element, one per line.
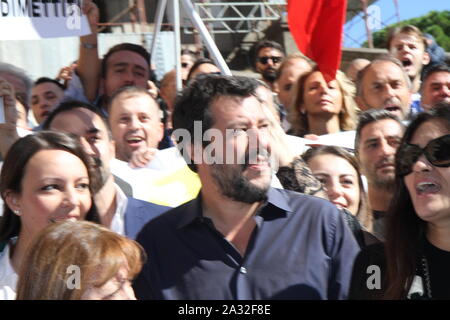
<point>344,139</point>
<point>36,19</point>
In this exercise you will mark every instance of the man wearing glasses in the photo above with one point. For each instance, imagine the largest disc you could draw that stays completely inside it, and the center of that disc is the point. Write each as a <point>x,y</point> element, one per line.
<point>268,58</point>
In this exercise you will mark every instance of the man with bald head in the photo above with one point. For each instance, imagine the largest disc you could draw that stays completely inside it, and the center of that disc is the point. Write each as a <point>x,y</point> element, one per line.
<point>354,67</point>
<point>384,84</point>
<point>290,70</point>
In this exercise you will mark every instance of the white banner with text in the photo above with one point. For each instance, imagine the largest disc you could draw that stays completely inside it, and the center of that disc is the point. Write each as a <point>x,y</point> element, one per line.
<point>36,19</point>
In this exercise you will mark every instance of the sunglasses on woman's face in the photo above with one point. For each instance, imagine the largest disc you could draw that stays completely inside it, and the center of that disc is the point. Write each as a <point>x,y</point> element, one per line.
<point>437,152</point>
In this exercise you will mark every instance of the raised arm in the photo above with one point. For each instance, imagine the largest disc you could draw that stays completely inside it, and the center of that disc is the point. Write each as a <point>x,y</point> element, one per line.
<point>88,68</point>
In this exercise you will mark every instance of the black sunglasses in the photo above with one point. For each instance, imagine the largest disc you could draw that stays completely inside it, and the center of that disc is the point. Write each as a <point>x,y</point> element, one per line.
<point>275,60</point>
<point>437,152</point>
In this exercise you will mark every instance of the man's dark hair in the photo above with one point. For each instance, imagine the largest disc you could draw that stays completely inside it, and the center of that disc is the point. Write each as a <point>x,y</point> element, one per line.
<point>46,79</point>
<point>265,44</point>
<point>194,104</point>
<point>434,69</point>
<point>369,116</point>
<point>197,64</point>
<point>140,50</point>
<point>74,104</point>
<point>188,52</point>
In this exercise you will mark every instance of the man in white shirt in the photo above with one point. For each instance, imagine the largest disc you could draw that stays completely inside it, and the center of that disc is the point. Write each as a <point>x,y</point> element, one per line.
<point>118,212</point>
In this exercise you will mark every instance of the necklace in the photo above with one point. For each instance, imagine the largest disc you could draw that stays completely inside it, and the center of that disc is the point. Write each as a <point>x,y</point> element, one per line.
<point>420,290</point>
<point>426,274</point>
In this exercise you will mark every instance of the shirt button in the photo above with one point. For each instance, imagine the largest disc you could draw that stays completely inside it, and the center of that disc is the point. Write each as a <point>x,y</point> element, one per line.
<point>243,270</point>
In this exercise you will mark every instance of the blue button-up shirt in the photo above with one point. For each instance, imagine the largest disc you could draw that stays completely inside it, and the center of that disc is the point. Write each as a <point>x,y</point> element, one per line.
<point>301,248</point>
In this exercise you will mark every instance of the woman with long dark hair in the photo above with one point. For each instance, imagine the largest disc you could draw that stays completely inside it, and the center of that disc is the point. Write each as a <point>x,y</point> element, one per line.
<point>46,177</point>
<point>414,262</point>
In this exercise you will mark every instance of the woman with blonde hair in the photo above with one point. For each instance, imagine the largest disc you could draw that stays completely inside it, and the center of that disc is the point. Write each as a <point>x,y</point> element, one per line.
<point>320,107</point>
<point>73,260</point>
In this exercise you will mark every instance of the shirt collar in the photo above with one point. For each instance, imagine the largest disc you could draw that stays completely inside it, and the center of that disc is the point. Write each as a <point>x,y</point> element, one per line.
<point>275,198</point>
<point>117,223</point>
<point>192,211</point>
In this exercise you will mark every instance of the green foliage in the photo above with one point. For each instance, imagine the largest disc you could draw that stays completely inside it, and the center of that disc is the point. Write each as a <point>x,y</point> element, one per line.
<point>436,23</point>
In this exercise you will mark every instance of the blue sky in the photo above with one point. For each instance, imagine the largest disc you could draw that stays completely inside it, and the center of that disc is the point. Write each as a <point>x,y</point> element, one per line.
<point>355,32</point>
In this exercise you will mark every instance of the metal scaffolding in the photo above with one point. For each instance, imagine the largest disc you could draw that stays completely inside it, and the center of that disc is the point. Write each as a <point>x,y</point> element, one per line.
<point>237,17</point>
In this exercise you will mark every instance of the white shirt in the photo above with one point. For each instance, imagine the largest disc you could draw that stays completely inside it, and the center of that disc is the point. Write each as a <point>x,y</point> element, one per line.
<point>167,160</point>
<point>8,277</point>
<point>118,220</point>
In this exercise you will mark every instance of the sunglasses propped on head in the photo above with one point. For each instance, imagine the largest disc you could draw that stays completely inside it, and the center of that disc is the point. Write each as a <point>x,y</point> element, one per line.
<point>437,152</point>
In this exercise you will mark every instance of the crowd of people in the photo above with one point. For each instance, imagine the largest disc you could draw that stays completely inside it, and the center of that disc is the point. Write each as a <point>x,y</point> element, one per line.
<point>117,186</point>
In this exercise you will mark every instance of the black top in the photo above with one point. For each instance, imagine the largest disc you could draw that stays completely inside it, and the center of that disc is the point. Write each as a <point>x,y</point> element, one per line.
<point>379,222</point>
<point>368,274</point>
<point>301,248</point>
<point>438,263</point>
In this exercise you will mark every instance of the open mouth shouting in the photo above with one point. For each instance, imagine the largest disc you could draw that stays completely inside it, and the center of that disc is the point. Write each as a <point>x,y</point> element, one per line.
<point>135,141</point>
<point>425,188</point>
<point>394,106</point>
<point>407,65</point>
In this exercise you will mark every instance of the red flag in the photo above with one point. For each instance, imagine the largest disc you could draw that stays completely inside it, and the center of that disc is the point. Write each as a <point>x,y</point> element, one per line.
<point>317,27</point>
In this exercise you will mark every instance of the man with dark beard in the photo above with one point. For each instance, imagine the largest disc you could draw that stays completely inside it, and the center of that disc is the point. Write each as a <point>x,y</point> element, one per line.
<point>240,238</point>
<point>377,137</point>
<point>268,56</point>
<point>118,212</point>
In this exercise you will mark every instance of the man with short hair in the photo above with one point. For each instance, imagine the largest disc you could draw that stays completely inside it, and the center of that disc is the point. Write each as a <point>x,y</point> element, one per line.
<point>118,212</point>
<point>435,86</point>
<point>377,138</point>
<point>290,70</point>
<point>408,44</point>
<point>292,67</point>
<point>384,84</point>
<point>354,67</point>
<point>240,238</point>
<point>46,95</point>
<point>268,56</point>
<point>125,64</point>
<point>135,122</point>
